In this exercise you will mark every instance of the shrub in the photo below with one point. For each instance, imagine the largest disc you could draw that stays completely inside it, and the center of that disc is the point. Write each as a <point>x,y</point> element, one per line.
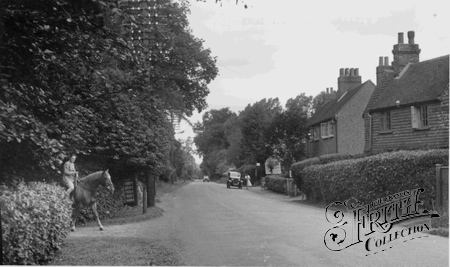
<point>374,177</point>
<point>298,167</point>
<point>333,157</point>
<point>276,183</point>
<point>35,219</point>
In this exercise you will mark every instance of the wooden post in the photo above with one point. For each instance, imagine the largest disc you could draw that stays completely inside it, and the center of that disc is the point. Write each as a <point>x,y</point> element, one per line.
<point>1,239</point>
<point>438,200</point>
<point>144,199</point>
<point>150,180</point>
<point>135,190</point>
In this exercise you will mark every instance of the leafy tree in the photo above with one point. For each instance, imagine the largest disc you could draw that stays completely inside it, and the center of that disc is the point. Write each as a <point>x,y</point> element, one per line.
<point>211,141</point>
<point>287,132</point>
<point>255,121</point>
<point>69,80</point>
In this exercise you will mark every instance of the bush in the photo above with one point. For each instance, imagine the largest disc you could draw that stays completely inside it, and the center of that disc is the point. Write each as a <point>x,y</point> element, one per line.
<point>35,219</point>
<point>276,183</point>
<point>298,167</point>
<point>333,157</point>
<point>374,177</point>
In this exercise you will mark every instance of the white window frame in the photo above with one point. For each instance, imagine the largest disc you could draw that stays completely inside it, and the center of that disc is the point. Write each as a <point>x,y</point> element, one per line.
<point>419,117</point>
<point>330,129</point>
<point>324,130</point>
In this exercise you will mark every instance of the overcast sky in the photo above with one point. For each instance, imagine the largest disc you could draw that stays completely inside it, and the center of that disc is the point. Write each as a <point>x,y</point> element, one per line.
<point>281,48</point>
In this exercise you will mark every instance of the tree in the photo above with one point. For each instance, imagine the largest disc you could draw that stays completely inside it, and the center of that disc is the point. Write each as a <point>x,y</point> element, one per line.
<point>70,81</point>
<point>255,121</point>
<point>211,141</point>
<point>288,131</point>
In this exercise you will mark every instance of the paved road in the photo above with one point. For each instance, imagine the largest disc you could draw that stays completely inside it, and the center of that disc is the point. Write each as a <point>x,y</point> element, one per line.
<point>210,225</point>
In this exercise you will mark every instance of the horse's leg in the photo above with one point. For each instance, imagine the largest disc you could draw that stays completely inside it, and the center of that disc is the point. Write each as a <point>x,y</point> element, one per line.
<point>94,210</point>
<point>75,212</point>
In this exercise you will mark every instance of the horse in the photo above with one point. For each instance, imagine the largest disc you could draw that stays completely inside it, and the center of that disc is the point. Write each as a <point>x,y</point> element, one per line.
<point>85,192</point>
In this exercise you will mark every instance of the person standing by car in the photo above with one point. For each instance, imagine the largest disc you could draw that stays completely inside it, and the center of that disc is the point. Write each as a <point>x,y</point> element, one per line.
<point>70,174</point>
<point>249,183</point>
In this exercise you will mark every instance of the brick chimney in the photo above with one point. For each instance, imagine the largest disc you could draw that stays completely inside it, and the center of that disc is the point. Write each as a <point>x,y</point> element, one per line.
<point>329,95</point>
<point>405,53</point>
<point>383,68</point>
<point>348,79</point>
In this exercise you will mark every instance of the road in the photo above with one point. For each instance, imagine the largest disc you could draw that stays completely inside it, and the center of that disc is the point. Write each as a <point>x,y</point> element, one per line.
<point>210,225</point>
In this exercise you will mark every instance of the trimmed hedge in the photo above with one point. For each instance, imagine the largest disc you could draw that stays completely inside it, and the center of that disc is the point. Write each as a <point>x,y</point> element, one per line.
<point>35,220</point>
<point>374,177</point>
<point>276,183</point>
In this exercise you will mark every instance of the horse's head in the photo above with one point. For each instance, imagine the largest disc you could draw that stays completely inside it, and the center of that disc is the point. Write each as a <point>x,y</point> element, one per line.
<point>106,181</point>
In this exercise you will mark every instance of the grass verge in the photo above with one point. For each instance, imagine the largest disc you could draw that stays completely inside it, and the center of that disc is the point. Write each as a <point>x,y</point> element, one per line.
<point>115,251</point>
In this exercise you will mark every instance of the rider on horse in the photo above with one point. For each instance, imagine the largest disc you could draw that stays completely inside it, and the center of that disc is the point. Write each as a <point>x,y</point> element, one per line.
<point>70,174</point>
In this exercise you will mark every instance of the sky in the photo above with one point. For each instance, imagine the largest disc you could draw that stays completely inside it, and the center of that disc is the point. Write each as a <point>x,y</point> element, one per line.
<point>282,48</point>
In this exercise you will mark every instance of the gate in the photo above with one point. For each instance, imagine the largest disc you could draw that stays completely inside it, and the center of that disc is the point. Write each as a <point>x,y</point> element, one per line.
<point>130,192</point>
<point>441,187</point>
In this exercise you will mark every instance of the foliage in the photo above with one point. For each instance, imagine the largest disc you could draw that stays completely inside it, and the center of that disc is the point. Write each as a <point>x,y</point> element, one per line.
<point>70,82</point>
<point>35,220</point>
<point>211,141</point>
<point>276,183</point>
<point>374,177</point>
<point>298,167</point>
<point>287,132</point>
<point>255,120</point>
<point>324,159</point>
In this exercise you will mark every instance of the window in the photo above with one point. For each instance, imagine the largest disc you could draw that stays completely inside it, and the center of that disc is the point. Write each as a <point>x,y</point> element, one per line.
<point>385,122</point>
<point>330,129</point>
<point>326,130</point>
<point>419,117</point>
<point>423,116</point>
<point>316,133</point>
<point>323,130</point>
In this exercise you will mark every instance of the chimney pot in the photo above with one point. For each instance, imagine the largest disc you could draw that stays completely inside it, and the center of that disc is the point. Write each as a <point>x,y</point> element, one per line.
<point>356,72</point>
<point>386,61</point>
<point>380,62</point>
<point>328,90</point>
<point>352,72</point>
<point>411,37</point>
<point>400,37</point>
<point>346,71</point>
<point>331,89</point>
<point>341,72</point>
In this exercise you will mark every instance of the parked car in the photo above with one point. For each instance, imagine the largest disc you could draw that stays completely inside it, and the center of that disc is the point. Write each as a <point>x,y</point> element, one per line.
<point>206,178</point>
<point>234,179</point>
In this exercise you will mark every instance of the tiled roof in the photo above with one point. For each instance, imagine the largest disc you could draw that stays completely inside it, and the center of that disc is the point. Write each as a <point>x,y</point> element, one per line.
<point>418,82</point>
<point>330,109</point>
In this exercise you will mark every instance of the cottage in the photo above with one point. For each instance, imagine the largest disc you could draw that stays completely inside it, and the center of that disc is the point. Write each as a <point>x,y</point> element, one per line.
<point>337,127</point>
<point>409,107</point>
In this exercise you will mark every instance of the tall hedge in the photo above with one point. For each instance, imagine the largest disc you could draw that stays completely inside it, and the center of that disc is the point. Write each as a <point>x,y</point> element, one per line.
<point>373,177</point>
<point>35,220</point>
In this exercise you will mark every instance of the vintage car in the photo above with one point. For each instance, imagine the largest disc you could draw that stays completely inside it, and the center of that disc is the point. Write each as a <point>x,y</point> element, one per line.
<point>234,179</point>
<point>205,178</point>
